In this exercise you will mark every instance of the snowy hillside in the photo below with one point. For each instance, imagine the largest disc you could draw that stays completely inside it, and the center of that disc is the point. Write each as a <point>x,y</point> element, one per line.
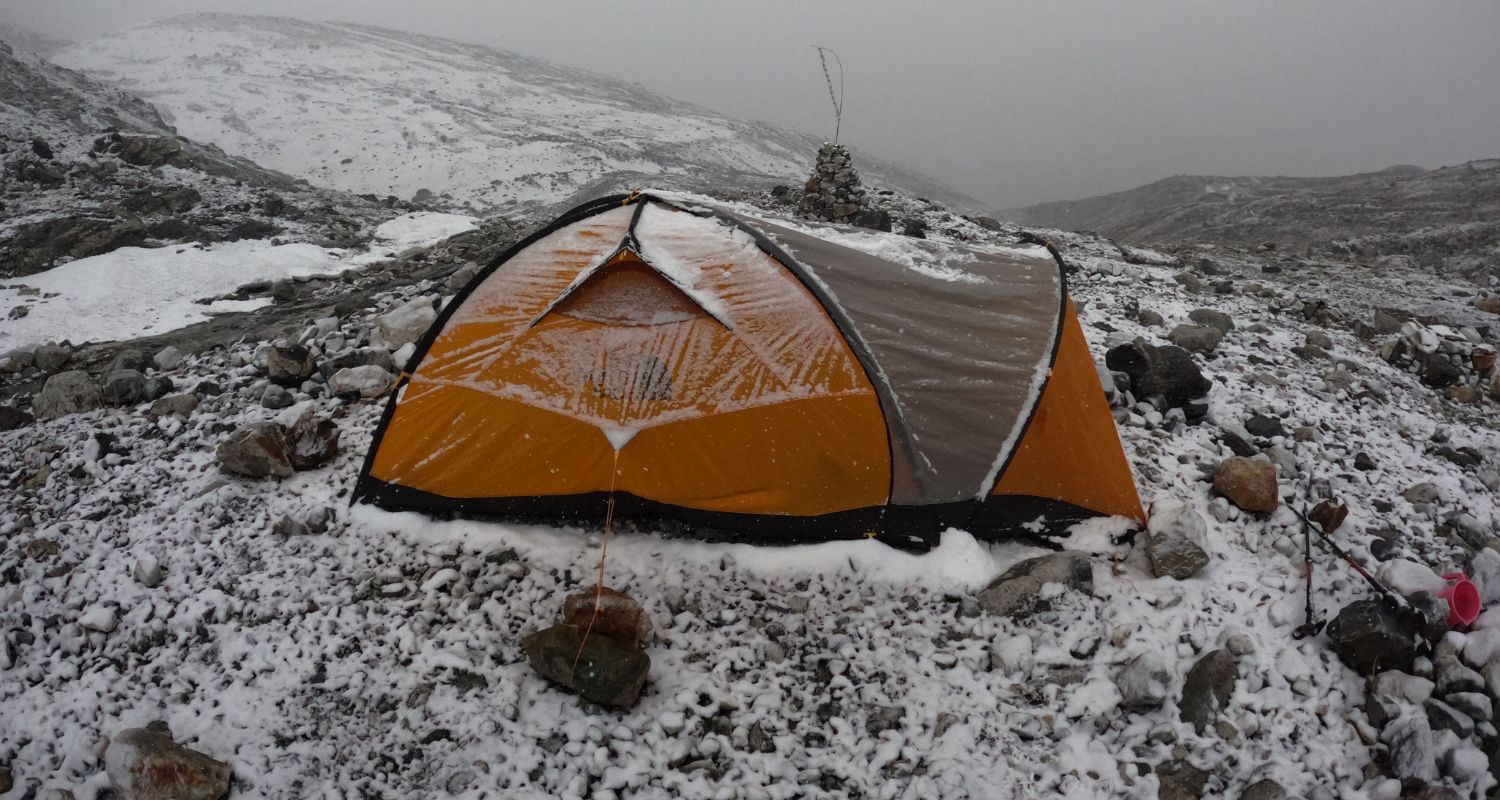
<point>369,110</point>
<point>88,169</point>
<point>1447,219</point>
<point>324,651</point>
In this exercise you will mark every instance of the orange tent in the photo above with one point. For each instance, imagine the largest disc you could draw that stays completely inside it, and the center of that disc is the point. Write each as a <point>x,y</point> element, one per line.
<point>755,379</point>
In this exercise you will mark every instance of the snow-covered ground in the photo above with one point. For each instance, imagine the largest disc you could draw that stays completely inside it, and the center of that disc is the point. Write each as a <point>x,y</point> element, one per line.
<point>383,658</point>
<point>133,292</point>
<point>370,110</point>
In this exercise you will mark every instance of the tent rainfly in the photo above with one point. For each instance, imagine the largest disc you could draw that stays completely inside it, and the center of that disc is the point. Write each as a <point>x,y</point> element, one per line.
<point>744,378</point>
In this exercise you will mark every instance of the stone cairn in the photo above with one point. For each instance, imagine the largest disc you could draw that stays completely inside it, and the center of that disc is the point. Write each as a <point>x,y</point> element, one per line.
<point>833,193</point>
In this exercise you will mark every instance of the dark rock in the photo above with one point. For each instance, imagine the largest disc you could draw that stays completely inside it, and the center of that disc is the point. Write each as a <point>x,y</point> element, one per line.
<point>876,219</point>
<point>1149,318</point>
<point>40,147</point>
<point>1165,371</point>
<point>608,612</point>
<point>51,357</point>
<point>1237,445</point>
<point>1410,748</point>
<point>884,718</point>
<point>11,418</point>
<point>290,365</point>
<point>66,393</point>
<point>356,358</point>
<point>1370,638</point>
<point>145,764</point>
<point>1176,540</point>
<point>124,387</point>
<point>289,526</point>
<point>1474,704</point>
<point>1444,717</point>
<point>607,671</point>
<point>1213,319</point>
<point>1264,426</point>
<point>276,397</point>
<point>1144,682</point>
<point>312,441</point>
<point>1206,689</point>
<point>129,358</point>
<point>1179,780</point>
<point>180,405</point>
<point>1197,338</point>
<point>1310,352</point>
<point>1263,789</point>
<point>157,386</point>
<point>915,228</point>
<point>145,151</point>
<point>1328,514</point>
<point>1017,592</point>
<point>258,450</point>
<point>1248,483</point>
<point>283,291</point>
<point>1438,372</point>
<point>1363,462</point>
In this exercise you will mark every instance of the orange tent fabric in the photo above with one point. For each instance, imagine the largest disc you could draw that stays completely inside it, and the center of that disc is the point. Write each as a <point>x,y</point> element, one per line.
<point>752,378</point>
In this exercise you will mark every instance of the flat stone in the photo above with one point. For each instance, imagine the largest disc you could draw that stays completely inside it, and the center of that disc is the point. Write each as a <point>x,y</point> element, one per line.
<point>1207,688</point>
<point>1018,591</point>
<point>145,764</point>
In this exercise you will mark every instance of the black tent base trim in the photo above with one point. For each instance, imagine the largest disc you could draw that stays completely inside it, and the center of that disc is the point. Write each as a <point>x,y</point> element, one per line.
<point>910,528</point>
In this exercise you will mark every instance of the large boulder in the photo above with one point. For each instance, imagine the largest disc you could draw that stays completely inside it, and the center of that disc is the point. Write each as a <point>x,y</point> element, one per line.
<point>1176,540</point>
<point>257,450</point>
<point>1197,338</point>
<point>357,358</point>
<point>1166,371</point>
<point>290,364</point>
<point>124,387</point>
<point>600,668</point>
<point>1206,689</point>
<point>405,323</point>
<point>367,381</point>
<point>145,764</point>
<point>1248,483</point>
<point>65,393</point>
<point>313,441</point>
<point>1213,319</point>
<point>1370,638</point>
<point>178,405</point>
<point>51,357</point>
<point>1018,591</point>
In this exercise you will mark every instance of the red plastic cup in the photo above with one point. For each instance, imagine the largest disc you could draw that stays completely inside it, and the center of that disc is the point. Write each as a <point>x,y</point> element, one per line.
<point>1463,599</point>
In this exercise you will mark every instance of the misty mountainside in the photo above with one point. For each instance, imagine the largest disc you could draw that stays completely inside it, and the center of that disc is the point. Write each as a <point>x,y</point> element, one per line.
<point>1447,219</point>
<point>28,42</point>
<point>89,169</point>
<point>370,110</point>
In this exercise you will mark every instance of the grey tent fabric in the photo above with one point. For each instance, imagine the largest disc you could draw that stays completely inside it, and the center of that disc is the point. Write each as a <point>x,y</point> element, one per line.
<point>962,405</point>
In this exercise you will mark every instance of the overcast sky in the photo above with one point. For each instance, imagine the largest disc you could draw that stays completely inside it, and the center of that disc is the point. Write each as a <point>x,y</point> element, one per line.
<point>1013,103</point>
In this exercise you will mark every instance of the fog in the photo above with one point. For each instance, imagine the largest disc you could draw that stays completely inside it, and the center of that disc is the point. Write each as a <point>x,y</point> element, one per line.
<point>1012,103</point>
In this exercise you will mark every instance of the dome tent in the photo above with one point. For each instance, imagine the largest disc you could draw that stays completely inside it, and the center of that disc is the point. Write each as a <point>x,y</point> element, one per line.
<point>751,378</point>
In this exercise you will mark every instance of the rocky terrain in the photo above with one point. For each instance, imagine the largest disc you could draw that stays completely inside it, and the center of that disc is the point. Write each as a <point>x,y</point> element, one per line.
<point>189,604</point>
<point>465,127</point>
<point>1444,219</point>
<point>178,552</point>
<point>89,169</point>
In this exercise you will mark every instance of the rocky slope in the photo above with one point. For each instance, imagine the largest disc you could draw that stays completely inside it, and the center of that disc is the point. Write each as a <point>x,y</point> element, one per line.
<point>89,169</point>
<point>377,111</point>
<point>316,649</point>
<point>1445,219</point>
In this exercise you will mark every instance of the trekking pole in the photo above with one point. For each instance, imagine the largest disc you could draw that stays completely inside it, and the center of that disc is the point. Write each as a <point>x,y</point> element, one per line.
<point>1311,625</point>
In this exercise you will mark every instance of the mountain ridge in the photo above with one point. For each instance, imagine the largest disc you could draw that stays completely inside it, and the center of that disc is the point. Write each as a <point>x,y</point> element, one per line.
<point>1448,217</point>
<point>479,128</point>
